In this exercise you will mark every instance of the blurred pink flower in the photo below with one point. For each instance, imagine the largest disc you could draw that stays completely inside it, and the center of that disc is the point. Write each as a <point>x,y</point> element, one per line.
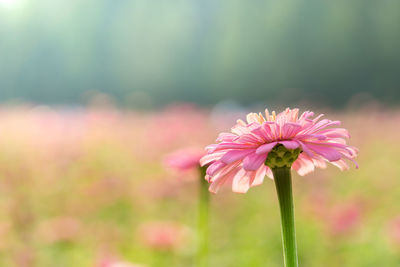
<point>185,159</point>
<point>110,262</point>
<point>163,235</point>
<point>394,230</point>
<point>238,157</point>
<point>345,218</point>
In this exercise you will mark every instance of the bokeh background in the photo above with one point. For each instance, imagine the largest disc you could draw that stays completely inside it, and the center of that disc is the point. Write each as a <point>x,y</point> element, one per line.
<point>95,94</point>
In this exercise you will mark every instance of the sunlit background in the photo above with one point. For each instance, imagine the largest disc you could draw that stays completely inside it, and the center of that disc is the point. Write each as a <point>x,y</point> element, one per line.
<point>147,54</point>
<point>95,94</point>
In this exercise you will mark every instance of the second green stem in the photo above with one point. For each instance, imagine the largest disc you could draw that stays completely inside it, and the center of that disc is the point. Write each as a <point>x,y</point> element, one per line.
<point>202,223</point>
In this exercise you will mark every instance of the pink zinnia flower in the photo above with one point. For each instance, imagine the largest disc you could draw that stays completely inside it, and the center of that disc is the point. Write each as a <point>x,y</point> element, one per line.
<point>345,218</point>
<point>238,157</point>
<point>185,159</point>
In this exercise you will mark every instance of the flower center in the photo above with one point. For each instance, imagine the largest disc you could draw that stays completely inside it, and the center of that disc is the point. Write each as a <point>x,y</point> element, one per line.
<point>280,157</point>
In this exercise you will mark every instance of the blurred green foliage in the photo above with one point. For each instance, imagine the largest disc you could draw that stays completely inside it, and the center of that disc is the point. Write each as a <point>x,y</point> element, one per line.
<point>151,53</point>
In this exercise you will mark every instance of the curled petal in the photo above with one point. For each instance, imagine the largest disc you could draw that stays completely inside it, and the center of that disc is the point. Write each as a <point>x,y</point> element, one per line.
<point>266,148</point>
<point>290,144</point>
<point>306,149</point>
<point>215,167</point>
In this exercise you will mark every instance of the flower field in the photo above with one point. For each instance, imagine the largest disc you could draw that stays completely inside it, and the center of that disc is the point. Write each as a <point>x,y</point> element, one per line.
<point>91,187</point>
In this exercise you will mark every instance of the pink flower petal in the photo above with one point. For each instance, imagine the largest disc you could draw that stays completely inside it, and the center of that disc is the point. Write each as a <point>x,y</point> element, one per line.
<point>289,144</point>
<point>258,176</point>
<point>253,161</point>
<point>213,168</point>
<point>341,164</point>
<point>228,137</point>
<point>266,148</point>
<point>252,117</point>
<point>207,159</point>
<point>241,182</point>
<point>306,150</point>
<point>303,165</point>
<point>335,132</point>
<point>224,170</point>
<point>318,160</point>
<point>290,129</point>
<point>231,145</point>
<point>261,133</point>
<point>234,155</point>
<point>222,179</point>
<point>329,153</point>
<point>250,138</point>
<point>269,173</point>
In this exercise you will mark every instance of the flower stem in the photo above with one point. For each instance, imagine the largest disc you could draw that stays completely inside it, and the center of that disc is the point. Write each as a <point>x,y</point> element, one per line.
<point>202,223</point>
<point>283,184</point>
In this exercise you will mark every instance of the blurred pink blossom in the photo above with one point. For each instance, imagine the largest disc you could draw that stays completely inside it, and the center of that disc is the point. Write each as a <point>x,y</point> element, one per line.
<point>345,218</point>
<point>338,218</point>
<point>184,159</point>
<point>111,262</point>
<point>163,235</point>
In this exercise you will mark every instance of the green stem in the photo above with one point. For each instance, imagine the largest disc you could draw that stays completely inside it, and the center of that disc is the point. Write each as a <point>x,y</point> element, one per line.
<point>283,184</point>
<point>202,224</point>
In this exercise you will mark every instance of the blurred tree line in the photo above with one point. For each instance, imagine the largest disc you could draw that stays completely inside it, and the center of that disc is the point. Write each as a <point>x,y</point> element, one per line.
<point>151,53</point>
